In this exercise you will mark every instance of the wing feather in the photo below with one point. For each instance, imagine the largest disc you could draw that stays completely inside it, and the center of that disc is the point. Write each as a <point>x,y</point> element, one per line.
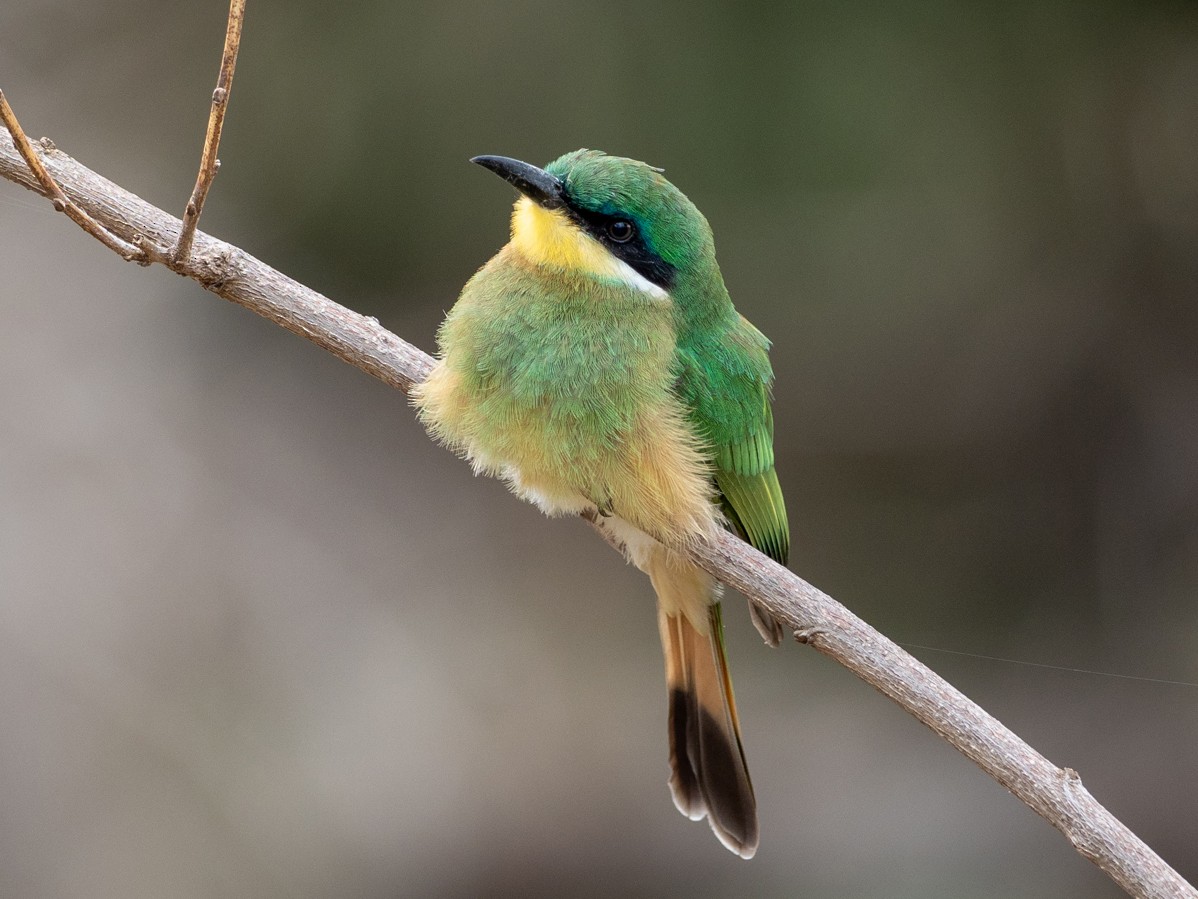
<point>725,382</point>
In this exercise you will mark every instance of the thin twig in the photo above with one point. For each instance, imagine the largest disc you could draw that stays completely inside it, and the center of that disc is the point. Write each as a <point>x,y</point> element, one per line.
<point>216,122</point>
<point>818,620</point>
<point>61,201</point>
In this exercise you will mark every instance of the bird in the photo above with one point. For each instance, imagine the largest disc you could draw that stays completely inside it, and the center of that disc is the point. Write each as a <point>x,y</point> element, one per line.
<point>597,365</point>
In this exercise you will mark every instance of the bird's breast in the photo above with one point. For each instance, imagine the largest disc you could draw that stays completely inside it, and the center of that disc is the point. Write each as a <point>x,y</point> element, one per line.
<point>563,386</point>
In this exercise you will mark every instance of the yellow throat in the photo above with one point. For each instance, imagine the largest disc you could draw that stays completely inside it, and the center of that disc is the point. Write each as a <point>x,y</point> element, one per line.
<point>549,237</point>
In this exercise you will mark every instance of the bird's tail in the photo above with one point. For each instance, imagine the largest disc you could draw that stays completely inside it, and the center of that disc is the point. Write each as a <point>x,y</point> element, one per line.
<point>710,777</point>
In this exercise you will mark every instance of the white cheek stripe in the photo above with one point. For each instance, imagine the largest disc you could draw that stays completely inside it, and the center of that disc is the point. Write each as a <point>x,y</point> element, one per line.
<point>622,271</point>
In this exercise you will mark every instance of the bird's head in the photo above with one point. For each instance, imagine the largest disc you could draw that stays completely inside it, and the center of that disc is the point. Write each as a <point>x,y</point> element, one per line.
<point>616,219</point>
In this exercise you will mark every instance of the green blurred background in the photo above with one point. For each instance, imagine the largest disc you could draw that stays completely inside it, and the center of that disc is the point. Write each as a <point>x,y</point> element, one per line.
<point>260,637</point>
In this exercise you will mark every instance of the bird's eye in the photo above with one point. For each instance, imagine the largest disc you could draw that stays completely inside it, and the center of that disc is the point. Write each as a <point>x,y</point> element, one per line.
<point>620,231</point>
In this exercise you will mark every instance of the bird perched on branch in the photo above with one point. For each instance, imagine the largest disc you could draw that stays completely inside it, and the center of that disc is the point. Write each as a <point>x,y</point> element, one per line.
<point>597,364</point>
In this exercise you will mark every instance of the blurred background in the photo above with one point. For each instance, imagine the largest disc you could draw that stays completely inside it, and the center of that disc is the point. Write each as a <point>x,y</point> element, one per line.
<point>260,637</point>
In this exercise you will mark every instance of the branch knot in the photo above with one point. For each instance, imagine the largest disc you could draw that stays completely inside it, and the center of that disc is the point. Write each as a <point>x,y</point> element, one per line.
<point>810,636</point>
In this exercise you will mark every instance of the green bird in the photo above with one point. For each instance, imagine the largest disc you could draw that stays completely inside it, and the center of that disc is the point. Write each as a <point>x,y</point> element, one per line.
<point>597,364</point>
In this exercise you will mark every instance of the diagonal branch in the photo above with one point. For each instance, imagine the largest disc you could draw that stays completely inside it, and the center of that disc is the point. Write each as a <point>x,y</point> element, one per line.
<point>818,620</point>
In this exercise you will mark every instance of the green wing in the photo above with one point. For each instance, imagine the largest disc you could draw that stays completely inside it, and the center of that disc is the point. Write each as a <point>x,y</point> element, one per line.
<point>724,380</point>
<point>749,491</point>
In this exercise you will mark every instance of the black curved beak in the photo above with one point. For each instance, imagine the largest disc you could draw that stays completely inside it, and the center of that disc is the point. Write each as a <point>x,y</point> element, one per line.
<point>537,184</point>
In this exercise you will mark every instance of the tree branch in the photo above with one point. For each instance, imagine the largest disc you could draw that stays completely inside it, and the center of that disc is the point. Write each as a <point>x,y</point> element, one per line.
<point>818,620</point>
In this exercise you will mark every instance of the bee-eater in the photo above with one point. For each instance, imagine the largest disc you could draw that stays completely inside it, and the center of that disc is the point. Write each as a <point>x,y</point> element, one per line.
<point>596,363</point>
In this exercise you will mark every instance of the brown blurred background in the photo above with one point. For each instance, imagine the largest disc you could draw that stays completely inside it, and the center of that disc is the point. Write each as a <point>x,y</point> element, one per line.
<point>260,637</point>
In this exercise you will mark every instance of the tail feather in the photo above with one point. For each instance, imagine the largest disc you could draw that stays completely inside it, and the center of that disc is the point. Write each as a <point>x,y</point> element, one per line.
<point>709,774</point>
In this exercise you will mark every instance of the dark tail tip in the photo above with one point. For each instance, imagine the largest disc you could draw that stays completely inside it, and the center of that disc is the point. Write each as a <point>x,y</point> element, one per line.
<point>709,773</point>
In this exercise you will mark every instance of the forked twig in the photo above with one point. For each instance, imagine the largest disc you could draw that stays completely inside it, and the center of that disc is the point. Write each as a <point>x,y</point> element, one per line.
<point>209,164</point>
<point>61,201</point>
<point>142,250</point>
